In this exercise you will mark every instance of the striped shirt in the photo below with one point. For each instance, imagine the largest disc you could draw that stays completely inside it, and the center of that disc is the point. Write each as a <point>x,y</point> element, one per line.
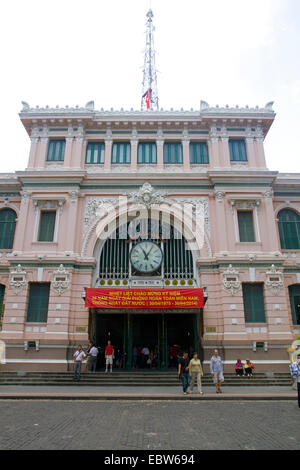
<point>295,370</point>
<point>216,364</point>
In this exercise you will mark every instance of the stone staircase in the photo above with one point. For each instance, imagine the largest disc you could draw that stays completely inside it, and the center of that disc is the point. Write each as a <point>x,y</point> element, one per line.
<point>135,378</point>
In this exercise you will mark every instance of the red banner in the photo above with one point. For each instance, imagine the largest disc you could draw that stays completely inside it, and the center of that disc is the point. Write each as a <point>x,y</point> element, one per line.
<point>144,298</point>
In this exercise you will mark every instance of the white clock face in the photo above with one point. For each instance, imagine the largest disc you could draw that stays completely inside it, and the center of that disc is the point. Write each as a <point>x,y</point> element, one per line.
<point>146,257</point>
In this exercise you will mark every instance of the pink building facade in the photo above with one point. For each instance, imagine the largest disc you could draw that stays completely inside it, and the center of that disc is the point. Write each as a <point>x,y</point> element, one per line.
<point>88,170</point>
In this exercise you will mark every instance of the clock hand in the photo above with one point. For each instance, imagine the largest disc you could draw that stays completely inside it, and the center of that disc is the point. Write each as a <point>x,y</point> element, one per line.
<point>149,251</point>
<point>146,255</point>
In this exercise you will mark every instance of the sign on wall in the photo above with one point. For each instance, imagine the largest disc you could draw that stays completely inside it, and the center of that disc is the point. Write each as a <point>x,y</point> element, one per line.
<point>144,298</point>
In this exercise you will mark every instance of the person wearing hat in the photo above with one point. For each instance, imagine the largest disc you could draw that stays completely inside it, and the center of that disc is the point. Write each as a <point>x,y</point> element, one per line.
<point>295,373</point>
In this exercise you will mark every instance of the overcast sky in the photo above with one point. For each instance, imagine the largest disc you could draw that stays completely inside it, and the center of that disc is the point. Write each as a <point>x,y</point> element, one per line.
<point>69,52</point>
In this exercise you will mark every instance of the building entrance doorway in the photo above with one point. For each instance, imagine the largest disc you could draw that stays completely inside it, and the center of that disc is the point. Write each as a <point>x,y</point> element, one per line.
<point>110,328</point>
<point>165,336</point>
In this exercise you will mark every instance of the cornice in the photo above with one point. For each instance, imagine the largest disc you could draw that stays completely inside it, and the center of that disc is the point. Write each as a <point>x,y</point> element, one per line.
<point>205,109</point>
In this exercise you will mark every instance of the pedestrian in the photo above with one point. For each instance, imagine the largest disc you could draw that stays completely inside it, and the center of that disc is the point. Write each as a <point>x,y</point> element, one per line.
<point>109,356</point>
<point>139,356</point>
<point>134,357</point>
<point>239,368</point>
<point>87,367</point>
<point>183,372</point>
<point>295,373</point>
<point>145,356</point>
<point>150,359</point>
<point>93,355</point>
<point>216,369</point>
<point>196,372</point>
<point>249,366</point>
<point>78,357</point>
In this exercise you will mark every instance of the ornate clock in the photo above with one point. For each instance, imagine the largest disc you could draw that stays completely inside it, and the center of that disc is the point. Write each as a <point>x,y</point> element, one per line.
<point>146,257</point>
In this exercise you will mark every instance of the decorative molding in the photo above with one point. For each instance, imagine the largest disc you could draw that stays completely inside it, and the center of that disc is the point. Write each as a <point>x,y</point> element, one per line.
<point>18,280</point>
<point>204,109</point>
<point>245,204</point>
<point>48,204</point>
<point>173,168</point>
<point>231,282</point>
<point>268,194</point>
<point>147,168</point>
<point>25,195</point>
<point>125,168</point>
<point>219,195</point>
<point>61,280</point>
<point>274,280</point>
<point>97,207</point>
<point>148,196</point>
<point>75,194</point>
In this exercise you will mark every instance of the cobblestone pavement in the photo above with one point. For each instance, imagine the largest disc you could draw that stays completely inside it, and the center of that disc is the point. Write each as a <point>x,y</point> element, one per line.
<point>134,425</point>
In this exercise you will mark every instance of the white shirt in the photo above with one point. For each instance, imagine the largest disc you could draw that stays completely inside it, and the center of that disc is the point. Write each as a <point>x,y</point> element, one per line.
<point>79,356</point>
<point>145,351</point>
<point>94,352</point>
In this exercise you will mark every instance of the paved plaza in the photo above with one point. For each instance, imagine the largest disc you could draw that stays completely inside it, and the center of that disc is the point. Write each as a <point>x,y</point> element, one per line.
<point>145,425</point>
<point>149,392</point>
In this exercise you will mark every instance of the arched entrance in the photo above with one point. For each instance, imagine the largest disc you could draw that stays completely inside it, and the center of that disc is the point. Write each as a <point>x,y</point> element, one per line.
<point>166,333</point>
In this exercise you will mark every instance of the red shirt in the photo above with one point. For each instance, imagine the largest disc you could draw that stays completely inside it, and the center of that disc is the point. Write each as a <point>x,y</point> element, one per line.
<point>109,350</point>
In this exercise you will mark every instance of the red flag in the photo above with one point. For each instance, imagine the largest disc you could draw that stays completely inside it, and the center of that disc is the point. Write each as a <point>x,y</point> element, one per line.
<point>148,100</point>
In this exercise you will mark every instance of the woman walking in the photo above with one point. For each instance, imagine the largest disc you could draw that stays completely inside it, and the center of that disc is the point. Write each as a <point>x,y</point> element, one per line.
<point>196,373</point>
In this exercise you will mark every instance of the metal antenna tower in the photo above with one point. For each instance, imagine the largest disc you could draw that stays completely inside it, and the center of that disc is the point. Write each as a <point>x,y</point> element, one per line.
<point>149,85</point>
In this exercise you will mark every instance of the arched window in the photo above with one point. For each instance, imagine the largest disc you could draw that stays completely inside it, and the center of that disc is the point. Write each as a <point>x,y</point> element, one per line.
<point>177,259</point>
<point>7,228</point>
<point>295,303</point>
<point>289,229</point>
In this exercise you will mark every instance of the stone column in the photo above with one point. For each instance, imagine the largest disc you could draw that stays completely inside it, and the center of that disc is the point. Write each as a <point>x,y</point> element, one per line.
<point>33,152</point>
<point>221,228</point>
<point>68,152</point>
<point>270,221</point>
<point>186,154</point>
<point>22,221</point>
<point>260,153</point>
<point>40,161</point>
<point>77,157</point>
<point>107,158</point>
<point>214,154</point>
<point>225,154</point>
<point>160,154</point>
<point>72,219</point>
<point>134,149</point>
<point>251,152</point>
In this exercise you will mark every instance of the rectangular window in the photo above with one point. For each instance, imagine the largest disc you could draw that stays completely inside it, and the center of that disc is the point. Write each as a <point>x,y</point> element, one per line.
<point>120,152</point>
<point>56,151</point>
<point>47,225</point>
<point>95,153</point>
<point>38,301</point>
<point>237,149</point>
<point>147,152</point>
<point>173,152</point>
<point>254,306</point>
<point>246,227</point>
<point>199,153</point>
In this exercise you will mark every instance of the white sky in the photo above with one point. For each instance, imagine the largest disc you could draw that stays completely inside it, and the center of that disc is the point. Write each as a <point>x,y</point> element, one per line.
<point>68,52</point>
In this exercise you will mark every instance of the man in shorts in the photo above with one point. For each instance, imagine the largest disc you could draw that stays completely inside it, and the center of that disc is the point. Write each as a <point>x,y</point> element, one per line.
<point>216,369</point>
<point>109,355</point>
